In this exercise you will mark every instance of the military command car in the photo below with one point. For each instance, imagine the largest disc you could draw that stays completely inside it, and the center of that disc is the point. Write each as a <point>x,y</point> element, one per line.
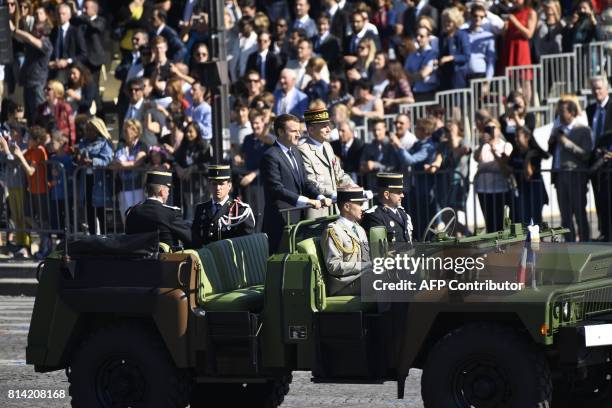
<point>133,327</point>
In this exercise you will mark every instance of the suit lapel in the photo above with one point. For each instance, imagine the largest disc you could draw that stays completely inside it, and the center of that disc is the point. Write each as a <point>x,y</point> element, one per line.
<point>285,160</point>
<point>317,153</point>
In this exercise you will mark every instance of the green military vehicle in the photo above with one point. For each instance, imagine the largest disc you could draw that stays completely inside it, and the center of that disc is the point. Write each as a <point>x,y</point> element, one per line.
<point>228,326</point>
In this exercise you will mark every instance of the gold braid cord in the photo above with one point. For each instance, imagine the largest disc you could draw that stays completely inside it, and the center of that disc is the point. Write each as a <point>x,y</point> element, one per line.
<point>338,242</point>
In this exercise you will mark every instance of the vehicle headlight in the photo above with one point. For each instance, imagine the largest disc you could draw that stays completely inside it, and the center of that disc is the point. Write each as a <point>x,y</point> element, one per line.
<point>566,309</point>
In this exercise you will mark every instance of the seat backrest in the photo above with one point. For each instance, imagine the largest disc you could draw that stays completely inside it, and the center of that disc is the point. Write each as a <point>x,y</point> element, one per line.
<point>312,246</point>
<point>230,277</point>
<point>252,256</point>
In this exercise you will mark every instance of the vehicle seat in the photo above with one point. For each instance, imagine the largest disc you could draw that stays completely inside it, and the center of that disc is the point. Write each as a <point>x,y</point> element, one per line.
<point>326,303</point>
<point>233,274</point>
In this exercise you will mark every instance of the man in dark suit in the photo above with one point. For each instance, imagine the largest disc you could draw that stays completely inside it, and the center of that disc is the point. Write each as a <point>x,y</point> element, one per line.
<point>338,18</point>
<point>154,215</point>
<point>221,217</point>
<point>92,28</point>
<point>176,48</point>
<point>599,114</point>
<point>348,149</point>
<point>68,45</point>
<point>285,182</point>
<point>264,61</point>
<point>328,46</point>
<point>360,32</point>
<point>408,19</point>
<point>130,67</point>
<point>571,145</point>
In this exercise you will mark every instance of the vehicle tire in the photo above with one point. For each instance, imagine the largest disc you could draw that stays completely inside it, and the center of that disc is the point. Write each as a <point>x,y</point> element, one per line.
<point>126,365</point>
<point>270,394</point>
<point>595,391</point>
<point>486,366</point>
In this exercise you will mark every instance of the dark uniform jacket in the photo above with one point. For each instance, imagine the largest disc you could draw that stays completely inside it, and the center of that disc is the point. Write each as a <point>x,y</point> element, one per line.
<point>209,227</point>
<point>398,225</point>
<point>151,215</point>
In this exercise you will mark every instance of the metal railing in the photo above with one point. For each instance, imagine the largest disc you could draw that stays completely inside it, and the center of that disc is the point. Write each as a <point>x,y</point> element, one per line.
<point>102,196</point>
<point>36,204</point>
<point>592,59</point>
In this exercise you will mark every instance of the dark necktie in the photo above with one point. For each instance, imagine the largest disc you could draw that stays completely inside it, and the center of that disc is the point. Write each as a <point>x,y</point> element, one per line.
<point>216,207</point>
<point>344,151</point>
<point>295,166</point>
<point>60,43</point>
<point>601,118</point>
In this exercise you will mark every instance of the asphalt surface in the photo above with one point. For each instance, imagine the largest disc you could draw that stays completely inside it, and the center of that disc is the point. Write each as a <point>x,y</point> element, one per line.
<point>15,313</point>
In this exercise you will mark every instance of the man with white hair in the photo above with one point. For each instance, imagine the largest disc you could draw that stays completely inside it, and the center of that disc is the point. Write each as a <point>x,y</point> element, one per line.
<point>599,114</point>
<point>289,99</point>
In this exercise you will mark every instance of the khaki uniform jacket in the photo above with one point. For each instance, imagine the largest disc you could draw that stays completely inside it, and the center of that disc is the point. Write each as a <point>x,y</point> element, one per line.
<point>347,257</point>
<point>323,169</point>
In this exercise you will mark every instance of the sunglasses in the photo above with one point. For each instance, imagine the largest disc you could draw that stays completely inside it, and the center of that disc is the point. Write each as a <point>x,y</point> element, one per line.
<point>135,89</point>
<point>399,123</point>
<point>253,80</point>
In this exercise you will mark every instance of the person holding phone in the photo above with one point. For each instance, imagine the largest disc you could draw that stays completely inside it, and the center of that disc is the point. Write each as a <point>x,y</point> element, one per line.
<point>491,180</point>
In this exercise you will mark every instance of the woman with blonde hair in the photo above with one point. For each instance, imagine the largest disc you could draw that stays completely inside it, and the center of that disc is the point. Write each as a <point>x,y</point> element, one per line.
<point>55,108</point>
<point>549,32</point>
<point>454,51</point>
<point>362,68</point>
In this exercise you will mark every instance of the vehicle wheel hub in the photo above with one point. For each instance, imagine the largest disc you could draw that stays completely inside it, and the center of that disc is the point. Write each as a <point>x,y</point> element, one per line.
<point>120,382</point>
<point>480,384</point>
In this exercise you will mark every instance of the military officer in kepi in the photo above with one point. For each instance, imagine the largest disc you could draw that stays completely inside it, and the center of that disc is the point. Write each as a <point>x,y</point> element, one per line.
<point>321,164</point>
<point>345,245</point>
<point>154,215</point>
<point>221,217</point>
<point>389,213</point>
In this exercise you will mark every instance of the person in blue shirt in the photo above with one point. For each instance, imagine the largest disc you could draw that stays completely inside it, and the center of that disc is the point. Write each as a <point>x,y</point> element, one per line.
<point>422,68</point>
<point>482,46</point>
<point>420,198</point>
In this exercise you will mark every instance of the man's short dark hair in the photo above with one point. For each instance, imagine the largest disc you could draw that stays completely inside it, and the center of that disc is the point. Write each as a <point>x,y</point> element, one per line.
<point>161,14</point>
<point>281,121</point>
<point>135,81</point>
<point>246,3</point>
<point>374,122</point>
<point>324,16</point>
<point>365,84</point>
<point>478,7</point>
<point>570,106</point>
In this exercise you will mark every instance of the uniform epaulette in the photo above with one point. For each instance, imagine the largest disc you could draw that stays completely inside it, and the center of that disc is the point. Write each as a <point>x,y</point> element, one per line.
<point>172,207</point>
<point>371,210</point>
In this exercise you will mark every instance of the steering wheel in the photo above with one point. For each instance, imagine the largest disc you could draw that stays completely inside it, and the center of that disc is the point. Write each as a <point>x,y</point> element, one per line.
<point>447,228</point>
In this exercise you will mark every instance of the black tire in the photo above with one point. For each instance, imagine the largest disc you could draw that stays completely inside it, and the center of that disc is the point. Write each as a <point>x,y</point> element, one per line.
<point>126,365</point>
<point>486,366</point>
<point>270,394</point>
<point>595,391</point>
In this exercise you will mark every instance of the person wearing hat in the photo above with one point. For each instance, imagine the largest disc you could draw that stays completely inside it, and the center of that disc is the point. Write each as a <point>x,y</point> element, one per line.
<point>221,217</point>
<point>345,245</point>
<point>154,215</point>
<point>285,182</point>
<point>390,213</point>
<point>321,165</point>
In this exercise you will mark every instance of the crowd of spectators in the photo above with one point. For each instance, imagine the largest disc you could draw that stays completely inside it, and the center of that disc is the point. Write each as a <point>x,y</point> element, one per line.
<point>360,59</point>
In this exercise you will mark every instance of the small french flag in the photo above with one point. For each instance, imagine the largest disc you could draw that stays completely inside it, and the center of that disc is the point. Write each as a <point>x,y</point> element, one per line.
<point>527,262</point>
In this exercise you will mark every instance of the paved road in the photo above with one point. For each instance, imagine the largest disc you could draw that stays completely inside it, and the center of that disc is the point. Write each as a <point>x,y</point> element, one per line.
<point>15,315</point>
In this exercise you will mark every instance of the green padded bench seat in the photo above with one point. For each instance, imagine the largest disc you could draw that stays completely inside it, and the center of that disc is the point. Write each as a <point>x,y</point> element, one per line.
<point>312,246</point>
<point>234,271</point>
<point>348,304</point>
<point>247,299</point>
